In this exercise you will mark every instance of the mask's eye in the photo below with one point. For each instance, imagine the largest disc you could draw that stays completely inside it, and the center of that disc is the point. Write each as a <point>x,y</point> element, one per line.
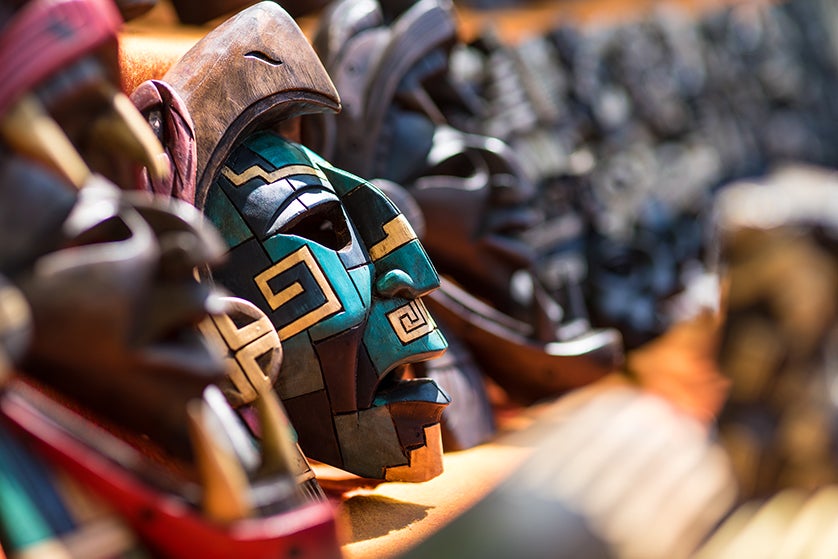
<point>264,57</point>
<point>324,224</point>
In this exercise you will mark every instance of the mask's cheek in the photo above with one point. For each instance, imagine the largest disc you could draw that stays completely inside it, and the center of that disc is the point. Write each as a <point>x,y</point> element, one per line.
<point>401,331</point>
<point>307,288</point>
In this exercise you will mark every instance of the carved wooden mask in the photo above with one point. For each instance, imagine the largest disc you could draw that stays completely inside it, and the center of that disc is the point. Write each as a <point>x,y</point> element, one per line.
<point>339,271</point>
<point>323,253</point>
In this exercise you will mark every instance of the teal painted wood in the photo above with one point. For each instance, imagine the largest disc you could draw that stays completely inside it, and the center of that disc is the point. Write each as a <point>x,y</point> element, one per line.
<point>339,271</point>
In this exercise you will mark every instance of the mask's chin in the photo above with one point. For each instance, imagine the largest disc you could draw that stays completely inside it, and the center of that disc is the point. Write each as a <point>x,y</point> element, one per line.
<point>415,406</point>
<point>399,437</point>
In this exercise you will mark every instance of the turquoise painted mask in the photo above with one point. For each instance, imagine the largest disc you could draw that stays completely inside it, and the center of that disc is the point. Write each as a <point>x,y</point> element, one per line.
<point>340,273</point>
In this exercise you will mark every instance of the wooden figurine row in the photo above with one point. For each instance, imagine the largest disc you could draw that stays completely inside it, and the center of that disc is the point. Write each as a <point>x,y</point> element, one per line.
<point>330,261</point>
<point>112,377</point>
<point>633,126</point>
<point>510,275</point>
<point>324,254</point>
<point>178,416</point>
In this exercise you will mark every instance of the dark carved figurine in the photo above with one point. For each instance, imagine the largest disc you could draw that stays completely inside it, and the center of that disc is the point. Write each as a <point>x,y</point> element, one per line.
<point>776,243</point>
<point>509,287</point>
<point>198,12</point>
<point>98,250</point>
<point>114,382</point>
<point>325,255</point>
<point>640,122</point>
<point>58,93</point>
<point>128,264</point>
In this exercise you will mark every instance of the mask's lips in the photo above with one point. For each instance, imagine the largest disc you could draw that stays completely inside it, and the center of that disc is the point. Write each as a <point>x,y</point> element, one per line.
<point>413,404</point>
<point>419,390</point>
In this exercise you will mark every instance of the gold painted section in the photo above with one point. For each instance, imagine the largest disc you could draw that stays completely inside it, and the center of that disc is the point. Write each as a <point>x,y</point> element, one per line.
<point>239,179</point>
<point>424,463</point>
<point>411,321</point>
<point>240,348</point>
<point>276,300</point>
<point>233,370</point>
<point>248,355</point>
<point>399,232</point>
<point>240,380</point>
<point>28,129</point>
<point>226,489</point>
<point>236,338</point>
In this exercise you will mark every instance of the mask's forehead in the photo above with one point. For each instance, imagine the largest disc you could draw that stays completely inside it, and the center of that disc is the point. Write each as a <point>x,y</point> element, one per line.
<point>276,151</point>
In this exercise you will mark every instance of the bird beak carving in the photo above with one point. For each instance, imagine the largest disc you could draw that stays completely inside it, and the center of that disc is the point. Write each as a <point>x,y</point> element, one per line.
<point>28,129</point>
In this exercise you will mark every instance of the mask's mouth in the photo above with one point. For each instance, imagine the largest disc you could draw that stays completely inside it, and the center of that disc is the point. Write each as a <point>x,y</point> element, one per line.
<point>399,386</point>
<point>414,403</point>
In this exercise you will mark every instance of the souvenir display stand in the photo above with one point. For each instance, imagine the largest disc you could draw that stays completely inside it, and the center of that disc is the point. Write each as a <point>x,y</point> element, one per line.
<point>407,279</point>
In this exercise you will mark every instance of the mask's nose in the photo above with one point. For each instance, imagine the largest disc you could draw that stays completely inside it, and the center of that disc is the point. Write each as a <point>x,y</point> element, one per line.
<point>406,272</point>
<point>398,283</point>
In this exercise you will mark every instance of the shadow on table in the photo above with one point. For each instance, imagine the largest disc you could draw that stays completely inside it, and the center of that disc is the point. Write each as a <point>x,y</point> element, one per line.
<point>373,516</point>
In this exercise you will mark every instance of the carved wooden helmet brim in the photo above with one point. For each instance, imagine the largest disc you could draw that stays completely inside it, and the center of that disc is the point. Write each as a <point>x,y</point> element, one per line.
<point>252,71</point>
<point>369,58</point>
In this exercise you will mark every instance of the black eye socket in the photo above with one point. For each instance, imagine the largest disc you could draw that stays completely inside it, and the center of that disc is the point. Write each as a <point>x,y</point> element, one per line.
<point>155,120</point>
<point>324,224</point>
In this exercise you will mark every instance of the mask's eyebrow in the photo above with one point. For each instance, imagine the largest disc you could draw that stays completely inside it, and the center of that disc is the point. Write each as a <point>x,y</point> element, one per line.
<point>255,171</point>
<point>398,233</point>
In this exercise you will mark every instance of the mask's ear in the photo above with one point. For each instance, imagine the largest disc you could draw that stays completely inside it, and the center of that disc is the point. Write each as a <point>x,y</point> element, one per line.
<point>168,116</point>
